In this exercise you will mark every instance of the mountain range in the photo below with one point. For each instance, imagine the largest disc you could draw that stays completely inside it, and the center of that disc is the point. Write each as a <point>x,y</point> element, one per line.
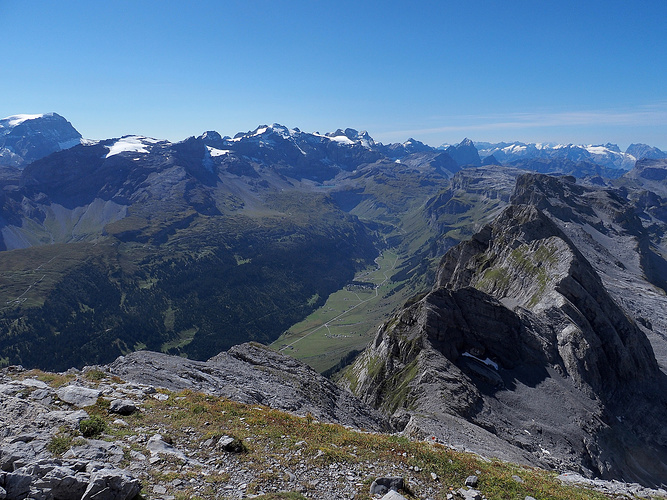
<point>607,155</point>
<point>513,293</point>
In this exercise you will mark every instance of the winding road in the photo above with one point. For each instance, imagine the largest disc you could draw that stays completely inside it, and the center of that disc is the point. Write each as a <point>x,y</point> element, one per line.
<point>341,315</point>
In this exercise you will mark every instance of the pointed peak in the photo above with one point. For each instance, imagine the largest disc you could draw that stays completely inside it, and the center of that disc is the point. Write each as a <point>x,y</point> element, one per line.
<point>211,135</point>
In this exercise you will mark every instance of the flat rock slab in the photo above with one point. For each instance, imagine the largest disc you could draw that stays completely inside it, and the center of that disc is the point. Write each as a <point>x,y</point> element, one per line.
<point>78,396</point>
<point>393,495</point>
<point>156,445</point>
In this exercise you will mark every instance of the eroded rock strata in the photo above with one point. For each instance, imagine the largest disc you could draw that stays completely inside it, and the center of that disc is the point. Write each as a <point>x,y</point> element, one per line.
<point>519,352</point>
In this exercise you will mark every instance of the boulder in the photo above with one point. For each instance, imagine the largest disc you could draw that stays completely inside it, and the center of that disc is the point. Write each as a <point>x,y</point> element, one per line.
<point>157,445</point>
<point>469,494</point>
<point>393,495</point>
<point>64,483</point>
<point>471,481</point>
<point>382,485</point>
<point>111,484</point>
<point>78,396</point>
<point>17,484</point>
<point>122,407</point>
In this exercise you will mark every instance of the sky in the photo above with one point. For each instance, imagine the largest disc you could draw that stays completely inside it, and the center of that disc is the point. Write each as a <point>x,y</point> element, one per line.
<point>583,72</point>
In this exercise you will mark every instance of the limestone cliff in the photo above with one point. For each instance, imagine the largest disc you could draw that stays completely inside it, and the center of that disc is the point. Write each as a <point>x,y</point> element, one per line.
<point>519,352</point>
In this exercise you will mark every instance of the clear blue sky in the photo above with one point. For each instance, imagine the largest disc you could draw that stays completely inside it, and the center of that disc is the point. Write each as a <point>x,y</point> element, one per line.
<point>584,71</point>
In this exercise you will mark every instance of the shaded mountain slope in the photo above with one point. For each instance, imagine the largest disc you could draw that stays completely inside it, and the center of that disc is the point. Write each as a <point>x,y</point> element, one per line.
<point>188,247</point>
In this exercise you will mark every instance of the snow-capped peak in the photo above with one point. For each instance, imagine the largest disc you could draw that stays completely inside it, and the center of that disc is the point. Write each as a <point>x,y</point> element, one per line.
<point>284,132</point>
<point>15,120</point>
<point>351,136</point>
<point>608,154</point>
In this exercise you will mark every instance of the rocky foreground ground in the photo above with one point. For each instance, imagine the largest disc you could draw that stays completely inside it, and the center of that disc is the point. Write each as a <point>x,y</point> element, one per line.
<point>92,435</point>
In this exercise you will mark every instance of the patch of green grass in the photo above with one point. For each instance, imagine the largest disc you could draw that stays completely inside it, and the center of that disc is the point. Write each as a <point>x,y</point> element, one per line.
<point>60,442</point>
<point>52,379</point>
<point>495,278</point>
<point>183,339</point>
<point>95,375</point>
<point>276,436</point>
<point>92,427</point>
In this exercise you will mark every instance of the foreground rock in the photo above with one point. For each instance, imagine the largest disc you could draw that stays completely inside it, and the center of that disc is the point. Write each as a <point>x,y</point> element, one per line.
<point>251,373</point>
<point>187,445</point>
<point>30,424</point>
<point>519,352</point>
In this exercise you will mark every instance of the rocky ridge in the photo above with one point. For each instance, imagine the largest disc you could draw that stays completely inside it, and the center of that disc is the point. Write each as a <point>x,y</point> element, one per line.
<point>186,444</point>
<point>619,236</point>
<point>518,327</point>
<point>252,374</point>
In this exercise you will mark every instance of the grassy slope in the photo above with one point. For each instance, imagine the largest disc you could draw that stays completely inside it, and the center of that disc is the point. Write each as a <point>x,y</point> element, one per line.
<point>275,437</point>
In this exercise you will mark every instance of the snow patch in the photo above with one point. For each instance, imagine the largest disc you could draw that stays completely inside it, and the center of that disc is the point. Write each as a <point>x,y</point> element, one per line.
<point>132,143</point>
<point>598,150</point>
<point>486,361</point>
<point>342,139</point>
<point>15,120</point>
<point>217,152</point>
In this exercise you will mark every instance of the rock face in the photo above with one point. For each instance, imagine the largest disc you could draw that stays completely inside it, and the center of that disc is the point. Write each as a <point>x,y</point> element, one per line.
<point>465,153</point>
<point>251,373</point>
<point>620,236</point>
<point>26,138</point>
<point>650,174</point>
<point>521,353</point>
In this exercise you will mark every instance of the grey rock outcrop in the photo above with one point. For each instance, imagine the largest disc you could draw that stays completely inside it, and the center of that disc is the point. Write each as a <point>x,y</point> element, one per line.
<point>32,418</point>
<point>650,174</point>
<point>251,373</point>
<point>519,352</point>
<point>122,407</point>
<point>382,485</point>
<point>619,236</point>
<point>78,396</point>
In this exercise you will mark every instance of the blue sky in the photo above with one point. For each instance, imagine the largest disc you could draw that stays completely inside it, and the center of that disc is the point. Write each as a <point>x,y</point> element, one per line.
<point>582,71</point>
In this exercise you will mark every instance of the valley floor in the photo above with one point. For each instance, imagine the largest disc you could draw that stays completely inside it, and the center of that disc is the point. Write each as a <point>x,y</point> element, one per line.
<point>349,318</point>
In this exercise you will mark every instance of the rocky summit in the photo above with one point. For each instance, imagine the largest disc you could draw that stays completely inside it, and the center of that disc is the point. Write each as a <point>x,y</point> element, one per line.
<point>520,352</point>
<point>171,428</point>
